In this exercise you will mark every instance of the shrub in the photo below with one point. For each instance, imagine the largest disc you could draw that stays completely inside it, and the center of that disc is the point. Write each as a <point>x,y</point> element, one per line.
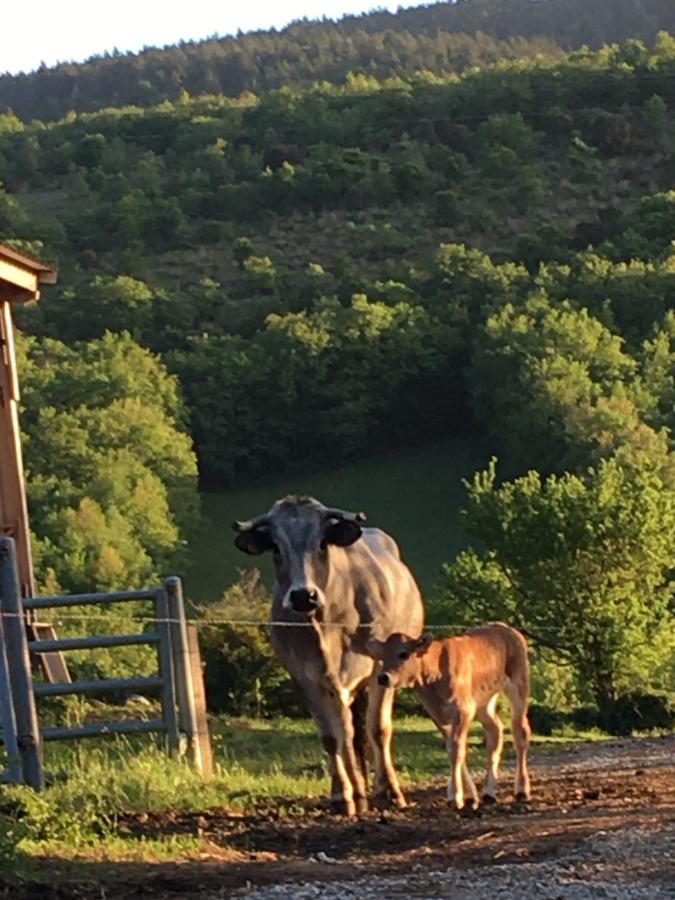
<point>242,674</point>
<point>640,712</point>
<point>544,719</point>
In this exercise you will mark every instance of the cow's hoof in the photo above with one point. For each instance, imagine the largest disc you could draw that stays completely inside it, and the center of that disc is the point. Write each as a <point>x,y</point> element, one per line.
<point>385,800</point>
<point>361,804</point>
<point>343,807</point>
<point>521,799</point>
<point>488,800</point>
<point>470,810</point>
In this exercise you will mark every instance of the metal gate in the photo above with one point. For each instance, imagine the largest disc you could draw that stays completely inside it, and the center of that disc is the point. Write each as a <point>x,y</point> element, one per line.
<point>183,718</point>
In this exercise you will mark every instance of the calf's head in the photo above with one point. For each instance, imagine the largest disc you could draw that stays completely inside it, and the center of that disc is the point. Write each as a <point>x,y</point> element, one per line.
<point>299,532</point>
<point>399,657</point>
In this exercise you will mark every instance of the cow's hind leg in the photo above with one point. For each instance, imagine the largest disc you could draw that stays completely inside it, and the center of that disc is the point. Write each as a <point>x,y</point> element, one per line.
<point>494,743</point>
<point>379,724</point>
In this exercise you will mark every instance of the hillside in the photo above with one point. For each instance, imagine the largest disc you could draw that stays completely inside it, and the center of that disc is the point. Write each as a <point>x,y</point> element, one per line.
<point>442,38</point>
<point>236,237</point>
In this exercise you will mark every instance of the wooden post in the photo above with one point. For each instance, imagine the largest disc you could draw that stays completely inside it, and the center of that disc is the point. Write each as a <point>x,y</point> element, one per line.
<point>203,738</point>
<point>13,508</point>
<point>28,733</point>
<point>187,715</point>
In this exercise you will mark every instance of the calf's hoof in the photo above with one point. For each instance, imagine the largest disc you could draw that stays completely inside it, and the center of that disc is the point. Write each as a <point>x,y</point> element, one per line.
<point>488,800</point>
<point>521,798</point>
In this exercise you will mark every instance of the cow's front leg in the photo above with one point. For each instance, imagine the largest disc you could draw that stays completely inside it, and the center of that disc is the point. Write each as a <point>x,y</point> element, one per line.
<point>380,728</point>
<point>324,708</point>
<point>347,751</point>
<point>333,716</point>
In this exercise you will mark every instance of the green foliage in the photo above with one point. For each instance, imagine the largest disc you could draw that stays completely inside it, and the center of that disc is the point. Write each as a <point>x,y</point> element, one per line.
<point>337,373</point>
<point>111,473</point>
<point>558,389</point>
<point>582,564</point>
<point>243,677</point>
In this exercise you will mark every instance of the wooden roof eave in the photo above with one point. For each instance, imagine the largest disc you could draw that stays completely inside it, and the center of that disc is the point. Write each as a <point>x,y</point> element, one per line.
<point>21,276</point>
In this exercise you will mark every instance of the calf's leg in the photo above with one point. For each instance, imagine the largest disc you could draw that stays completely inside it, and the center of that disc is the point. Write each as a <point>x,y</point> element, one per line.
<point>520,727</point>
<point>494,743</point>
<point>456,747</point>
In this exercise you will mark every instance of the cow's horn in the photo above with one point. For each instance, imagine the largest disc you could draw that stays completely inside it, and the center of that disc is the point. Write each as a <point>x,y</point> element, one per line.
<point>250,525</point>
<point>358,517</point>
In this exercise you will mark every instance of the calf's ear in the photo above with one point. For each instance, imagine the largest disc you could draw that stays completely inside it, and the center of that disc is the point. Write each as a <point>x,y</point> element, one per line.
<point>255,541</point>
<point>422,644</point>
<point>341,532</point>
<point>375,648</point>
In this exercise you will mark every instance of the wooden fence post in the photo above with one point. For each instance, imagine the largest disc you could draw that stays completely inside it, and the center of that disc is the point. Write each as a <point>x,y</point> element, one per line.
<point>187,716</point>
<point>28,733</point>
<point>203,737</point>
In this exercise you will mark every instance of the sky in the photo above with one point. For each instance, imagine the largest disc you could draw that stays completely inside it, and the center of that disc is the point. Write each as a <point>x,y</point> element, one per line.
<point>52,31</point>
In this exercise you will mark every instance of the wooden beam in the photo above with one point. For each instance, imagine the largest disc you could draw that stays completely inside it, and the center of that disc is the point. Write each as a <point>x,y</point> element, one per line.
<point>18,276</point>
<point>13,507</point>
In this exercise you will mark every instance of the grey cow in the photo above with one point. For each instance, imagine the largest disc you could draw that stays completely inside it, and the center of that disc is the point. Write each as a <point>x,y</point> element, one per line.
<point>343,584</point>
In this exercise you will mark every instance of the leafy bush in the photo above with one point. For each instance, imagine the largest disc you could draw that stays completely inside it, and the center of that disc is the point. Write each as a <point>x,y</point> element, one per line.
<point>639,711</point>
<point>544,720</point>
<point>242,674</point>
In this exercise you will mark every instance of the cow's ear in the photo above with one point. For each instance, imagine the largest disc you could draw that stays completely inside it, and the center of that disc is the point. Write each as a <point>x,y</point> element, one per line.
<point>422,644</point>
<point>375,648</point>
<point>255,541</point>
<point>341,532</point>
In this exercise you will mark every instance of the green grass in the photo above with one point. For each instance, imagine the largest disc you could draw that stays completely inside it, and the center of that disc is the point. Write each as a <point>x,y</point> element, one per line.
<point>415,496</point>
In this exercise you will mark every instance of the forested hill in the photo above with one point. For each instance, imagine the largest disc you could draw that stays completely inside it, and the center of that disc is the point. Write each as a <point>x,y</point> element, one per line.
<point>442,38</point>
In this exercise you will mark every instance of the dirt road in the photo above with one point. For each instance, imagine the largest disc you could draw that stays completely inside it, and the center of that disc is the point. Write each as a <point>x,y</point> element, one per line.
<point>601,824</point>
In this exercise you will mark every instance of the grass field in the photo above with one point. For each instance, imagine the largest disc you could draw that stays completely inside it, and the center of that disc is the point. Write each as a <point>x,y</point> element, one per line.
<point>414,495</point>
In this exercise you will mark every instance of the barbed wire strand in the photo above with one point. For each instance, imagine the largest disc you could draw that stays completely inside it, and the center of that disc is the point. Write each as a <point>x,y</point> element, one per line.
<point>64,618</point>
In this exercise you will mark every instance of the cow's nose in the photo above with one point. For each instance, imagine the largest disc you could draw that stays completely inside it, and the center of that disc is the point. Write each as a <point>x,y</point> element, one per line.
<point>304,599</point>
<point>383,679</point>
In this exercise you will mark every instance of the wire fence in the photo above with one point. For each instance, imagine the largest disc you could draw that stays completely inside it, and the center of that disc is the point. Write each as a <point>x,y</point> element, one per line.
<point>204,622</point>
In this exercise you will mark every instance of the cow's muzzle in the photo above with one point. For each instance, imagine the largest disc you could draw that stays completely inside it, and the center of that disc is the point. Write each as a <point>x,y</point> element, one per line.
<point>304,600</point>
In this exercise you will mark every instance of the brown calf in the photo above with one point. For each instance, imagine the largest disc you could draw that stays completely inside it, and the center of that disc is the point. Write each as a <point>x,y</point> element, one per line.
<point>459,679</point>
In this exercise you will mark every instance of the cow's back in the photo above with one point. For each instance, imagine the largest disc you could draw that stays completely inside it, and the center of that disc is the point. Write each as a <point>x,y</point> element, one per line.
<point>383,589</point>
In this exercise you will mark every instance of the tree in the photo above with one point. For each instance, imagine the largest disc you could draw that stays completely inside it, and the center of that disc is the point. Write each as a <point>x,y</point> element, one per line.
<point>111,473</point>
<point>556,388</point>
<point>583,564</point>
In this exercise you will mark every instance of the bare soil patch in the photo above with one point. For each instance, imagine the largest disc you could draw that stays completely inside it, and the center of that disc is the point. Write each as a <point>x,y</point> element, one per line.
<point>620,788</point>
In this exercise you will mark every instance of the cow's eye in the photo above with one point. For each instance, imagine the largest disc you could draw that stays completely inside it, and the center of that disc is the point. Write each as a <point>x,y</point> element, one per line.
<point>403,654</point>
